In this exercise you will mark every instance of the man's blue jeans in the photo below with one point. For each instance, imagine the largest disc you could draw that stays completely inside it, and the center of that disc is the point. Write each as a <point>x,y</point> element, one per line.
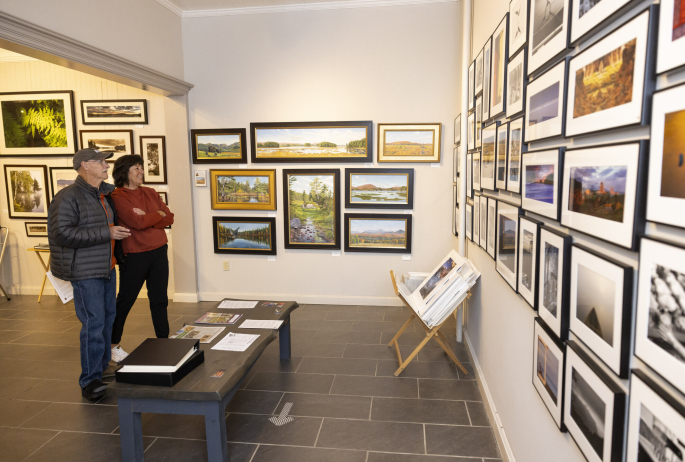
<point>96,306</point>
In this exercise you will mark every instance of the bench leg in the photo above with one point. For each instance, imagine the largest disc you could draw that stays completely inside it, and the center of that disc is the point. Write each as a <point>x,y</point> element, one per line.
<point>130,432</point>
<point>215,429</point>
<point>284,339</point>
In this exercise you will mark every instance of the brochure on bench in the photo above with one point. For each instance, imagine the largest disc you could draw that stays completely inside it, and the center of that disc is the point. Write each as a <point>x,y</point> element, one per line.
<point>235,342</point>
<point>203,334</point>
<point>218,318</point>
<point>260,324</point>
<point>160,355</point>
<point>237,304</point>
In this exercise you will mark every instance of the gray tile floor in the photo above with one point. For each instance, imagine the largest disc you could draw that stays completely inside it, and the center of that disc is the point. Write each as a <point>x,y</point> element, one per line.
<point>347,405</point>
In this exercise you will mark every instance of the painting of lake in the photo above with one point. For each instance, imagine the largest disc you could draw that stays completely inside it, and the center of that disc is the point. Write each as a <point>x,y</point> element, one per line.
<point>374,189</point>
<point>244,235</point>
<point>329,142</point>
<point>540,183</point>
<point>231,189</point>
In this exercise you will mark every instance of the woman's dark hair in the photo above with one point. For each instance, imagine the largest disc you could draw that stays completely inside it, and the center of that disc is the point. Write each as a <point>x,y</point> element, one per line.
<point>121,167</point>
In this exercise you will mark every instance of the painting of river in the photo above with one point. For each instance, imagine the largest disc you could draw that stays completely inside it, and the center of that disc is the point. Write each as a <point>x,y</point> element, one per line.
<point>27,190</point>
<point>241,235</point>
<point>332,142</point>
<point>312,202</point>
<point>252,189</point>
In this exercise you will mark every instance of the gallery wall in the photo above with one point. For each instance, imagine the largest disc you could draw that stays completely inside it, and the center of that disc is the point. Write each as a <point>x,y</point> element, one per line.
<point>395,64</point>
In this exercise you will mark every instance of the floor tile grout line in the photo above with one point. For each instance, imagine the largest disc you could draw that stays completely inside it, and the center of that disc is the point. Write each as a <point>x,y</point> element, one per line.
<point>153,442</point>
<point>115,430</point>
<point>319,432</point>
<point>468,413</point>
<point>39,448</point>
<point>370,407</point>
<point>340,394</point>
<point>255,452</point>
<point>425,449</point>
<point>367,456</point>
<point>354,420</point>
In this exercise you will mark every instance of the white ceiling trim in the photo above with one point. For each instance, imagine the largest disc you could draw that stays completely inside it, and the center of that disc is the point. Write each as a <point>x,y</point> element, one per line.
<point>171,7</point>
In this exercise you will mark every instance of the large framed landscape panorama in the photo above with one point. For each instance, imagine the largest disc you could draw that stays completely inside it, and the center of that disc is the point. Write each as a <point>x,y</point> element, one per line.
<point>507,240</point>
<point>379,188</point>
<point>379,233</point>
<point>545,103</point>
<point>219,145</point>
<point>540,171</point>
<point>587,15</point>
<point>118,142</point>
<point>517,82</point>
<point>498,69</point>
<point>554,260</point>
<point>528,264</point>
<point>516,148</point>
<point>244,235</point>
<point>243,189</point>
<point>114,112</point>
<point>518,25</point>
<point>671,50</point>
<point>548,31</point>
<point>409,142</point>
<point>37,123</point>
<point>548,371</point>
<point>286,142</point>
<point>487,158</point>
<point>612,79</point>
<point>27,191</point>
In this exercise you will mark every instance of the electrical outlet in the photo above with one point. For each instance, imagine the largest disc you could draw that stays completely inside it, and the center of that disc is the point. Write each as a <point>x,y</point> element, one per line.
<point>225,265</point>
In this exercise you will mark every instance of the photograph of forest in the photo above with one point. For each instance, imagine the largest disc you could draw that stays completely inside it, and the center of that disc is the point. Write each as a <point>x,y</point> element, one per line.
<point>34,123</point>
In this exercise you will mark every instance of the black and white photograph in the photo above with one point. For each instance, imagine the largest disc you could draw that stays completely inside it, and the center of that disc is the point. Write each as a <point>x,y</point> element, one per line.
<point>476,171</point>
<point>491,226</point>
<point>518,25</point>
<point>541,182</point>
<point>479,120</point>
<point>671,50</point>
<point>516,148</point>
<point>548,31</point>
<point>153,151</point>
<point>476,219</point>
<point>487,157</point>
<point>484,223</point>
<point>586,15</point>
<point>470,129</point>
<point>527,274</point>
<point>548,370</point>
<point>472,97</point>
<point>479,73</point>
<point>506,245</point>
<point>554,258</point>
<point>457,130</point>
<point>455,162</point>
<point>487,52</point>
<point>60,178</point>
<point>498,69</point>
<point>501,148</point>
<point>455,210</point>
<point>118,142</point>
<point>469,221</point>
<point>545,104</point>
<point>516,85</point>
<point>114,112</point>
<point>600,306</point>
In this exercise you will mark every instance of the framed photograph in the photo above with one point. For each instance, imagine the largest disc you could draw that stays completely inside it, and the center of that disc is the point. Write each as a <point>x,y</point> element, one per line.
<point>164,197</point>
<point>312,208</point>
<point>600,195</point>
<point>516,148</point>
<point>501,156</point>
<point>409,142</point>
<point>492,226</point>
<point>479,73</point>
<point>114,112</point>
<point>27,191</point>
<point>479,120</point>
<point>498,65</point>
<point>586,16</point>
<point>601,305</point>
<point>34,229</point>
<point>541,188</point>
<point>37,123</point>
<point>548,371</point>
<point>243,189</point>
<point>517,80</point>
<point>60,178</point>
<point>507,239</point>
<point>219,145</point>
<point>611,85</point>
<point>671,51</point>
<point>656,422</point>
<point>487,158</point>
<point>594,408</point>
<point>660,322</point>
<point>545,116</point>
<point>666,186</point>
<point>484,223</point>
<point>469,175</point>
<point>200,178</point>
<point>455,161</point>
<point>487,53</point>
<point>457,130</point>
<point>282,142</point>
<point>377,233</point>
<point>472,82</point>
<point>554,261</point>
<point>153,150</point>
<point>245,235</point>
<point>518,25</point>
<point>469,221</point>
<point>476,219</point>
<point>470,131</point>
<point>379,188</point>
<point>118,142</point>
<point>476,170</point>
<point>548,31</point>
<point>455,210</point>
<point>528,262</point>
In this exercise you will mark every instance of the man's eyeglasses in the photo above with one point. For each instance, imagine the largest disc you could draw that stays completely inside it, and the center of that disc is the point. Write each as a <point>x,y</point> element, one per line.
<point>101,162</point>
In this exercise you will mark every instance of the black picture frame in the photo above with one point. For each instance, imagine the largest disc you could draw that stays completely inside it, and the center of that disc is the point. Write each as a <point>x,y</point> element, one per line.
<point>522,47</point>
<point>349,247</point>
<point>535,261</point>
<point>492,227</point>
<point>468,224</point>
<point>218,131</point>
<point>379,171</point>
<point>560,328</point>
<point>524,80</point>
<point>505,61</point>
<point>513,209</point>
<point>554,215</point>
<point>457,130</point>
<point>552,58</point>
<point>561,346</point>
<point>562,100</point>
<point>224,219</point>
<point>524,149</point>
<point>142,120</point>
<point>44,223</point>
<point>53,189</point>
<point>127,133</point>
<point>10,202</point>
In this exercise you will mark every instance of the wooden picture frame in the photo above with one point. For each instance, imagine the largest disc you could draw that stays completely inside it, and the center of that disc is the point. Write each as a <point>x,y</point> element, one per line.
<point>362,233</point>
<point>108,141</point>
<point>471,131</point>
<point>478,86</point>
<point>60,178</point>
<point>257,238</point>
<point>243,189</point>
<point>22,196</point>
<point>377,188</point>
<point>114,112</point>
<point>419,142</point>
<point>153,152</point>
<point>216,141</point>
<point>476,167</point>
<point>164,197</point>
<point>479,121</point>
<point>36,229</point>
<point>468,225</point>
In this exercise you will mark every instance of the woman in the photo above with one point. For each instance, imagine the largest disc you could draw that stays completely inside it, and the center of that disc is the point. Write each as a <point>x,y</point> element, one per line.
<point>141,210</point>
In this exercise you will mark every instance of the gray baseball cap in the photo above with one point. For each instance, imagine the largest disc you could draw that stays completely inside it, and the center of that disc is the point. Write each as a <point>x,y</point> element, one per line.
<point>85,155</point>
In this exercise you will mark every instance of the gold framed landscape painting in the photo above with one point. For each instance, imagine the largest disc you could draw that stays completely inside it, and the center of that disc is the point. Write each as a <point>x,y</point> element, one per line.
<point>243,189</point>
<point>409,142</point>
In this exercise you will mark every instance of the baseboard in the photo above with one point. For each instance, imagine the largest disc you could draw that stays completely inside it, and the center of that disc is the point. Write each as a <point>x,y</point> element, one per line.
<point>493,416</point>
<point>30,290</point>
<point>185,298</point>
<point>306,299</point>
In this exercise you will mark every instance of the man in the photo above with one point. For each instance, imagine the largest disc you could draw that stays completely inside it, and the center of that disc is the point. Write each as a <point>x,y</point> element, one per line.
<point>82,231</point>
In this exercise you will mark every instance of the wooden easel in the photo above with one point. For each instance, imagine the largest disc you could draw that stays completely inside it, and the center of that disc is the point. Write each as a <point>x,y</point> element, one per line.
<point>433,333</point>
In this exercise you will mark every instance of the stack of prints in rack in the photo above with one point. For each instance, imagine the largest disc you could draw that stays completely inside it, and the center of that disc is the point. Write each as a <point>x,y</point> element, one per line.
<point>443,290</point>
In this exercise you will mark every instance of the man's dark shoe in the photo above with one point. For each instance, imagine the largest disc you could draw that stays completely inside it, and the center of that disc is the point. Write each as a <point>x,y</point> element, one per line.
<point>94,390</point>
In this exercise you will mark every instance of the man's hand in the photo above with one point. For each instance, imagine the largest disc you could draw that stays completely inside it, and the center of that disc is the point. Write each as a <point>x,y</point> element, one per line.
<point>118,232</point>
<point>161,213</point>
<point>138,211</point>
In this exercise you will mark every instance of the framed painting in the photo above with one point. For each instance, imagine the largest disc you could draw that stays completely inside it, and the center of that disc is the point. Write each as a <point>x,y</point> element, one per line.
<point>469,175</point>
<point>153,151</point>
<point>244,235</point>
<point>34,229</point>
<point>548,371</point>
<point>219,145</point>
<point>470,131</point>
<point>201,178</point>
<point>518,25</point>
<point>484,223</point>
<point>164,197</point>
<point>591,15</point>
<point>379,188</point>
<point>545,116</point>
<point>472,82</point>
<point>476,219</point>
<point>601,306</point>
<point>487,52</point>
<point>469,221</point>
<point>312,142</point>
<point>243,189</point>
<point>612,85</point>
<point>455,162</point>
<point>554,261</point>
<point>600,193</point>
<point>517,81</point>
<point>541,186</point>
<point>671,50</point>
<point>377,233</point>
<point>498,80</point>
<point>476,170</point>
<point>479,73</point>
<point>37,123</point>
<point>487,157</point>
<point>409,142</point>
<point>455,210</point>
<point>114,112</point>
<point>60,178</point>
<point>516,148</point>
<point>479,120</point>
<point>118,142</point>
<point>457,130</point>
<point>501,156</point>
<point>492,227</point>
<point>528,271</point>
<point>27,191</point>
<point>507,241</point>
<point>311,209</point>
<point>548,31</point>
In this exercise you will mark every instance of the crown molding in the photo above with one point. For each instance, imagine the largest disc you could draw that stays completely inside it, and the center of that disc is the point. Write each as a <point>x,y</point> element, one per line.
<point>171,6</point>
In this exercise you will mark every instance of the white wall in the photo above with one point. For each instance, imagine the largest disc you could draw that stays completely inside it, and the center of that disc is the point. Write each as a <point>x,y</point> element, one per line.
<point>387,64</point>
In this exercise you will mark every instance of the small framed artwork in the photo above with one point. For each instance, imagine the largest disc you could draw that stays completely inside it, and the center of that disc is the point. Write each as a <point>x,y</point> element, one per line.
<point>27,191</point>
<point>518,25</point>
<point>245,235</point>
<point>594,408</point>
<point>469,175</point>
<point>476,171</point>
<point>600,192</point>
<point>455,161</point>
<point>476,219</point>
<point>666,186</point>
<point>379,188</point>
<point>243,189</point>
<point>479,73</point>
<point>487,158</point>
<point>517,80</point>
<point>487,52</point>
<point>457,130</point>
<point>164,197</point>
<point>377,233</point>
<point>554,261</point>
<point>60,178</point>
<point>541,187</point>
<point>548,31</point>
<point>660,321</point>
<point>501,156</point>
<point>409,142</point>
<point>617,64</point>
<point>219,145</point>
<point>671,51</point>
<point>37,123</point>
<point>528,262</point>
<point>311,199</point>
<point>118,142</point>
<point>600,306</point>
<point>656,422</point>
<point>492,226</point>
<point>34,229</point>
<point>498,65</point>
<point>469,221</point>
<point>472,82</point>
<point>470,131</point>
<point>548,371</point>
<point>586,16</point>
<point>153,150</point>
<point>545,114</point>
<point>455,213</point>
<point>114,112</point>
<point>484,223</point>
<point>200,178</point>
<point>507,240</point>
<point>516,148</point>
<point>479,120</point>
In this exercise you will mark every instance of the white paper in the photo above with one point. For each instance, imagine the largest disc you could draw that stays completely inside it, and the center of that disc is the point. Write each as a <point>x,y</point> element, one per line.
<point>235,342</point>
<point>260,324</point>
<point>232,304</point>
<point>63,288</point>
<point>204,334</point>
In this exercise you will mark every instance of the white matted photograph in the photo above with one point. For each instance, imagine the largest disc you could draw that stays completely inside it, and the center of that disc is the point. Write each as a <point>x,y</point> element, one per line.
<point>114,112</point>
<point>506,244</point>
<point>491,226</point>
<point>470,129</point>
<point>484,223</point>
<point>36,229</point>
<point>501,156</point>
<point>671,50</point>
<point>27,191</point>
<point>479,73</point>
<point>548,371</point>
<point>118,142</point>
<point>457,130</point>
<point>527,274</point>
<point>516,148</point>
<point>548,31</point>
<point>487,52</point>
<point>554,259</point>
<point>479,120</point>
<point>498,68</point>
<point>518,25</point>
<point>476,219</point>
<point>60,178</point>
<point>487,157</point>
<point>545,104</point>
<point>540,182</point>
<point>201,178</point>
<point>469,221</point>
<point>471,96</point>
<point>153,151</point>
<point>588,14</point>
<point>517,80</point>
<point>469,174</point>
<point>476,171</point>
